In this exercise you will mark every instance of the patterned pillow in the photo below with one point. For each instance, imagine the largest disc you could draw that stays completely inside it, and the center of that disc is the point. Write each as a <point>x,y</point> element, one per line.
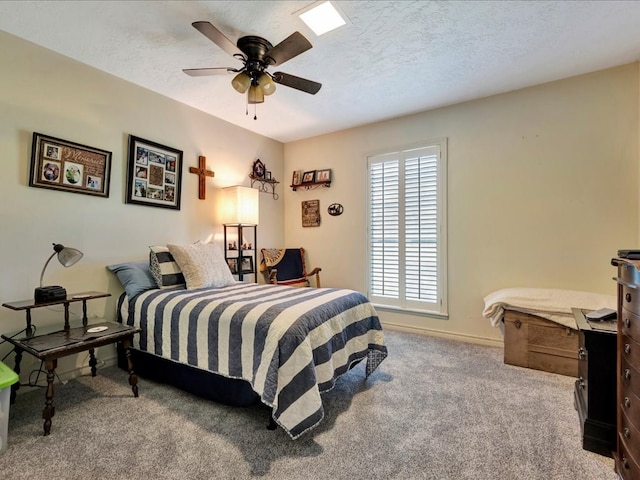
<point>164,269</point>
<point>202,264</point>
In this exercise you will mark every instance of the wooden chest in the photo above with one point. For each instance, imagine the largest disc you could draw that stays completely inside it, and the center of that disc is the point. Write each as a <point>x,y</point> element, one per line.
<point>534,342</point>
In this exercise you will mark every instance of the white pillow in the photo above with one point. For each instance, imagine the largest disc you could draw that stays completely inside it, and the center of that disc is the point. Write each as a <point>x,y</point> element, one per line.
<point>202,265</point>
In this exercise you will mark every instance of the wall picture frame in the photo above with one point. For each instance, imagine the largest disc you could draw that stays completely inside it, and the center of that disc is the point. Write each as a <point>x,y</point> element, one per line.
<point>154,174</point>
<point>296,179</point>
<point>309,177</point>
<point>323,175</point>
<point>59,164</point>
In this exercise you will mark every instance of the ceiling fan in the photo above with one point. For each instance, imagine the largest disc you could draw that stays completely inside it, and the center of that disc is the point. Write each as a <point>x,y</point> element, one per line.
<point>256,55</point>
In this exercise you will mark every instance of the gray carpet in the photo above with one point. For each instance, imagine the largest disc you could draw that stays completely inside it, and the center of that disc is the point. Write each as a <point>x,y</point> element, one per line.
<point>435,409</point>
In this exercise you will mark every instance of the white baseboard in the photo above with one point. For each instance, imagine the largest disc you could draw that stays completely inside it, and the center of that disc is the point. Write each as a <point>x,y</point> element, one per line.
<point>492,342</point>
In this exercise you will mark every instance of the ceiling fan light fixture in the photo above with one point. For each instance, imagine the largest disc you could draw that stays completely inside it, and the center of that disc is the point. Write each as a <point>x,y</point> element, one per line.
<point>241,82</point>
<point>256,95</point>
<point>267,84</point>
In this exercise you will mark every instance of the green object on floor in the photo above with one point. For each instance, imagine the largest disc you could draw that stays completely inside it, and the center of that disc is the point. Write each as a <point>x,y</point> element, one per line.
<point>7,378</point>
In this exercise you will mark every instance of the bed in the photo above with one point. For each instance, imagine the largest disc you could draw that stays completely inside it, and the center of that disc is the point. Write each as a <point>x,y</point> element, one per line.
<point>280,345</point>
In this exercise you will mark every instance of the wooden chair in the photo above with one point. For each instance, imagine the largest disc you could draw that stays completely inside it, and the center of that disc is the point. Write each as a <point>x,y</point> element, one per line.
<point>286,266</point>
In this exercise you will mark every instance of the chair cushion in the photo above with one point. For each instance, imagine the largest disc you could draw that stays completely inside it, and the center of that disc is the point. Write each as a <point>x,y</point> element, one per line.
<point>288,262</point>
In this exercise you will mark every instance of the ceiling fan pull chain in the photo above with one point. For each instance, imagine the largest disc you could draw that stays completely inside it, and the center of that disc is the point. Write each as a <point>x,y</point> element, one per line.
<point>255,114</point>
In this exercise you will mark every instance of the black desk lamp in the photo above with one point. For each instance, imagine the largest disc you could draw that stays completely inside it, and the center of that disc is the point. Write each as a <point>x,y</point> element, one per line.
<point>66,256</point>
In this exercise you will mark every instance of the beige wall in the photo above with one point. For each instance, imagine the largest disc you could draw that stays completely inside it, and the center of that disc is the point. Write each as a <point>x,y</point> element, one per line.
<point>47,93</point>
<point>543,186</point>
<point>543,190</point>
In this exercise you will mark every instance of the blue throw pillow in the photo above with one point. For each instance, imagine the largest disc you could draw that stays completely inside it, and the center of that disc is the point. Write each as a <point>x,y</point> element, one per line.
<point>135,277</point>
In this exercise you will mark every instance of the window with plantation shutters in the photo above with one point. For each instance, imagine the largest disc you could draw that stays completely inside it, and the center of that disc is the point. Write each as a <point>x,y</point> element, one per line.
<point>407,228</point>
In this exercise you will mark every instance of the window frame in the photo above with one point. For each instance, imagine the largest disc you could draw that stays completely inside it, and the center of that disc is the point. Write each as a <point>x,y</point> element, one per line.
<point>440,307</point>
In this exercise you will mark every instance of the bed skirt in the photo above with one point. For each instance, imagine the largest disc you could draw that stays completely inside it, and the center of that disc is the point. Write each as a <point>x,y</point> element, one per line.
<point>228,391</point>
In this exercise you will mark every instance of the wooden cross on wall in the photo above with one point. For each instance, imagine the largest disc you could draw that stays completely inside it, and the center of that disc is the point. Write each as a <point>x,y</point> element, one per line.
<point>202,173</point>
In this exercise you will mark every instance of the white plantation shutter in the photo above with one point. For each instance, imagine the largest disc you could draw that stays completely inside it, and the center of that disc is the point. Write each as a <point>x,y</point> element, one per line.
<point>407,234</point>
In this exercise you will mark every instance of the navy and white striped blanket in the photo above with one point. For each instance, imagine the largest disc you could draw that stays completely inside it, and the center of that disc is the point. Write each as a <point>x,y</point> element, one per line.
<point>290,344</point>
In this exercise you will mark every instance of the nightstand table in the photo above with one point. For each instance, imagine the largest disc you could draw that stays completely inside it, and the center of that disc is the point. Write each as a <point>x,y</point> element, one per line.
<point>52,346</point>
<point>595,389</point>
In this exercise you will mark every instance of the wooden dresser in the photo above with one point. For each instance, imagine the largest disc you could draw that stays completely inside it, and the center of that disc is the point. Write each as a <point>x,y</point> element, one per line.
<point>627,457</point>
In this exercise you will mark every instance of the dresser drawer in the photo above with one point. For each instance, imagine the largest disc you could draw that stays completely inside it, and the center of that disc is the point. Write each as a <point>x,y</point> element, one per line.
<point>630,324</point>
<point>626,465</point>
<point>630,405</point>
<point>631,299</point>
<point>630,435</point>
<point>630,379</point>
<point>631,351</point>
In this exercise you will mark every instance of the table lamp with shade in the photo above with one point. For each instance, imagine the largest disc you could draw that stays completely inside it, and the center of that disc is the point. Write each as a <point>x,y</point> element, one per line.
<point>67,257</point>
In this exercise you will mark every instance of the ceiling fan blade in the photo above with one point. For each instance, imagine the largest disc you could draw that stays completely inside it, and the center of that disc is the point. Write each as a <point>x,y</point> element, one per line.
<point>298,83</point>
<point>201,72</point>
<point>217,37</point>
<point>290,47</point>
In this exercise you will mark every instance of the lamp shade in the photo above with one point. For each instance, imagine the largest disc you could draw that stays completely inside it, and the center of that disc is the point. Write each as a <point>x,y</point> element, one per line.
<point>267,84</point>
<point>240,206</point>
<point>69,256</point>
<point>256,95</point>
<point>241,82</point>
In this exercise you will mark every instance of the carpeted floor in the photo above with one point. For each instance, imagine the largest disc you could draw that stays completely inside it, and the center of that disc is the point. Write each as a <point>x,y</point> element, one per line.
<point>435,409</point>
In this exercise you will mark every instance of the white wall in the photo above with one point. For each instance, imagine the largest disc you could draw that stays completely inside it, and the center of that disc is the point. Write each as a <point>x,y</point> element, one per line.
<point>44,92</point>
<point>543,190</point>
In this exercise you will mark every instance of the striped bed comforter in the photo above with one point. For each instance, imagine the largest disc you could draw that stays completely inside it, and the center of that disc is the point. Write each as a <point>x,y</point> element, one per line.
<point>290,344</point>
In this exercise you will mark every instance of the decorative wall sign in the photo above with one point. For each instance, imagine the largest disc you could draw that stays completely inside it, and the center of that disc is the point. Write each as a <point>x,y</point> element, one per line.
<point>335,209</point>
<point>311,213</point>
<point>154,175</point>
<point>62,165</point>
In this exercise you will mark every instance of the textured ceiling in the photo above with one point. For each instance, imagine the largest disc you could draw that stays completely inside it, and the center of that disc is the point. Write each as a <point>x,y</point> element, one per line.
<point>392,59</point>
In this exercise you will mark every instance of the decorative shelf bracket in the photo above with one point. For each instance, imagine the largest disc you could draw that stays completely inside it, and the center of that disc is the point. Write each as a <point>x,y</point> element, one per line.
<point>311,186</point>
<point>265,186</point>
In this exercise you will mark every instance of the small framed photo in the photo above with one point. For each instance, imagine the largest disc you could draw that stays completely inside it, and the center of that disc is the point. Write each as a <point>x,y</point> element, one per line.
<point>258,169</point>
<point>246,265</point>
<point>267,175</point>
<point>323,175</point>
<point>154,174</point>
<point>297,178</point>
<point>233,265</point>
<point>309,177</point>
